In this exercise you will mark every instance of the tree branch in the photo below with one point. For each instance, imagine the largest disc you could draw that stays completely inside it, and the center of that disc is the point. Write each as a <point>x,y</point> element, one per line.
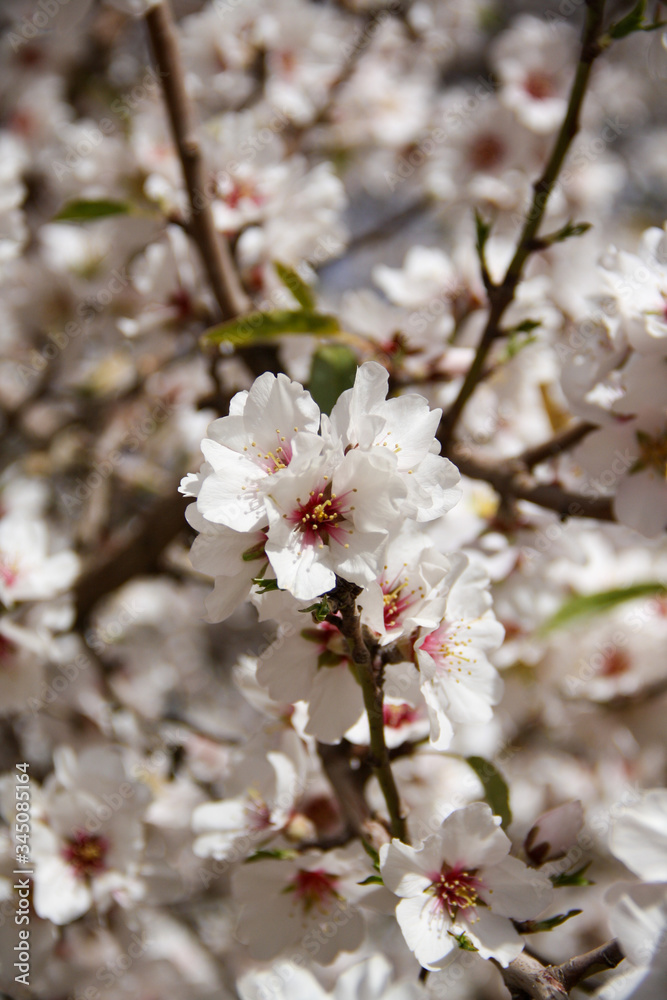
<point>343,599</point>
<point>526,977</point>
<point>501,295</point>
<point>214,249</point>
<point>559,443</point>
<point>512,481</point>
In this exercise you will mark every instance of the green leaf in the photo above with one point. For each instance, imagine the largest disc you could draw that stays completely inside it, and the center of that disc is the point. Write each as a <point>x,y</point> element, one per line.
<point>279,855</point>
<point>634,21</point>
<point>572,878</point>
<point>372,880</point>
<point>586,605</point>
<point>372,854</point>
<point>320,611</point>
<point>256,552</point>
<point>463,941</point>
<point>526,326</point>
<point>260,326</point>
<point>569,229</point>
<point>483,231</point>
<point>515,343</point>
<point>538,926</point>
<point>263,585</point>
<point>301,291</point>
<point>496,791</point>
<point>83,210</point>
<point>333,371</point>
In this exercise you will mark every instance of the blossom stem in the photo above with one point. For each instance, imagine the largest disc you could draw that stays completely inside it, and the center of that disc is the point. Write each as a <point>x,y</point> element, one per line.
<point>213,248</point>
<point>502,294</point>
<point>344,599</point>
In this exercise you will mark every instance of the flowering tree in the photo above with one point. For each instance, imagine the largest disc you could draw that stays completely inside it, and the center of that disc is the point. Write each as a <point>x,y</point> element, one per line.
<point>424,754</point>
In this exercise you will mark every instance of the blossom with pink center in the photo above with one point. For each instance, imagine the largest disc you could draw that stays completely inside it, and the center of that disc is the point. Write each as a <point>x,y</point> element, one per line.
<point>250,447</point>
<point>458,682</point>
<point>242,823</point>
<point>461,889</point>
<point>410,590</point>
<point>312,665</point>
<point>308,900</point>
<point>86,853</point>
<point>330,514</point>
<point>27,571</point>
<point>403,426</point>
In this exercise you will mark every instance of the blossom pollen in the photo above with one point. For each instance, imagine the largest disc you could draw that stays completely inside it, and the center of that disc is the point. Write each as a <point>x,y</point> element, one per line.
<point>321,517</point>
<point>316,888</point>
<point>396,602</point>
<point>456,891</point>
<point>86,854</point>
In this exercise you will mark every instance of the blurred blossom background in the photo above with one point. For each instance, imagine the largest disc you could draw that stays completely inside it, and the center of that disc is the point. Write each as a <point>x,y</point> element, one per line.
<point>372,163</point>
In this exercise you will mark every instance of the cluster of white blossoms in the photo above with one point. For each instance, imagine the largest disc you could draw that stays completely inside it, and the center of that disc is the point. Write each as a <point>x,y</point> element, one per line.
<point>314,504</point>
<point>374,708</point>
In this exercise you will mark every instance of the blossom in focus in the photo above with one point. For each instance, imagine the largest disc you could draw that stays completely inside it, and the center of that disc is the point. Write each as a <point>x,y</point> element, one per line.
<point>461,889</point>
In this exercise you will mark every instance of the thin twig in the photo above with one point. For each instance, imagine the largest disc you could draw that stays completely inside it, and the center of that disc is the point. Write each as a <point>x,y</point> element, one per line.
<point>501,295</point>
<point>512,482</point>
<point>343,600</point>
<point>561,442</point>
<point>214,249</point>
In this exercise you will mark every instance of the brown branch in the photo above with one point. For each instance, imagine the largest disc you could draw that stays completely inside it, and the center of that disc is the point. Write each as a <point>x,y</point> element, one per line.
<point>601,959</point>
<point>512,482</point>
<point>561,442</point>
<point>213,248</point>
<point>526,977</point>
<point>501,295</point>
<point>343,599</point>
<point>139,554</point>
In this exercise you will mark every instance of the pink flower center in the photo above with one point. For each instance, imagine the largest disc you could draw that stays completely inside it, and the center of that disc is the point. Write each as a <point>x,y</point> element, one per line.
<point>274,458</point>
<point>395,716</point>
<point>396,601</point>
<point>614,663</point>
<point>444,647</point>
<point>486,152</point>
<point>539,85</point>
<point>322,517</point>
<point>316,888</point>
<point>8,573</point>
<point>86,854</point>
<point>257,813</point>
<point>456,891</point>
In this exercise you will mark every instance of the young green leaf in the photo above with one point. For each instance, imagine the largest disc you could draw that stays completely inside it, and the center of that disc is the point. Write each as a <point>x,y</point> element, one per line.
<point>301,291</point>
<point>586,605</point>
<point>84,210</point>
<point>538,926</point>
<point>577,877</point>
<point>333,371</point>
<point>261,326</point>
<point>496,791</point>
